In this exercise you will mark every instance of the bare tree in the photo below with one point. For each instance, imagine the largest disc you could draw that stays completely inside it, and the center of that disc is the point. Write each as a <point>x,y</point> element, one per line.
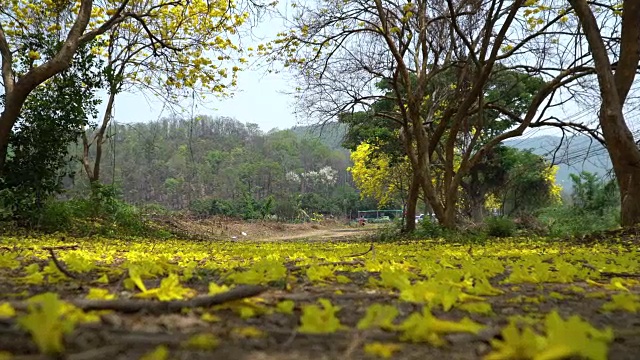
<point>435,59</point>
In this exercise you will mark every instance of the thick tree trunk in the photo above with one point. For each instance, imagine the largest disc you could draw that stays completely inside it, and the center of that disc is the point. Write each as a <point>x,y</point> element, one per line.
<point>449,215</point>
<point>476,207</point>
<point>13,105</point>
<point>625,158</point>
<point>5,134</point>
<point>614,88</point>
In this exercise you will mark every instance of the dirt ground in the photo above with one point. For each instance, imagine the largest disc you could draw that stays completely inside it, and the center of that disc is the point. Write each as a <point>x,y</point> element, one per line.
<point>230,229</point>
<point>274,335</point>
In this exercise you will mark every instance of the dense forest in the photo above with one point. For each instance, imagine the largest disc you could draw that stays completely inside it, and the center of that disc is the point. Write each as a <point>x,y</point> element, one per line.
<point>219,166</point>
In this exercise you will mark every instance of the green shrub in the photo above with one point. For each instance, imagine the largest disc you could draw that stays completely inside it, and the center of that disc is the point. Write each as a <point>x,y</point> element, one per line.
<point>56,216</point>
<point>594,207</point>
<point>564,221</point>
<point>428,228</point>
<point>154,209</point>
<point>500,226</point>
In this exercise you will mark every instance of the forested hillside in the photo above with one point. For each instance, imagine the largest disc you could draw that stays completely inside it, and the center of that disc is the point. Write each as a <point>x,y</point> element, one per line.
<point>222,166</point>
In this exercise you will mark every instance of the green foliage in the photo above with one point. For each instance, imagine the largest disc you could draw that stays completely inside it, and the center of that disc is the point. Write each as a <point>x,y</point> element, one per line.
<point>595,206</point>
<point>53,117</point>
<point>529,182</point>
<point>500,226</point>
<point>103,213</point>
<point>565,220</point>
<point>320,320</point>
<point>569,338</point>
<point>591,194</point>
<point>220,166</point>
<point>248,209</point>
<point>430,229</point>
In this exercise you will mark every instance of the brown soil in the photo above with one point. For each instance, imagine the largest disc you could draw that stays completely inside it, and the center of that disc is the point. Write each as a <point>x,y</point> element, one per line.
<point>220,228</point>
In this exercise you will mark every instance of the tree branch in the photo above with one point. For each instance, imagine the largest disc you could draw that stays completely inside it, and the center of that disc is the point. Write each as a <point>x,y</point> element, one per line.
<point>7,62</point>
<point>162,307</point>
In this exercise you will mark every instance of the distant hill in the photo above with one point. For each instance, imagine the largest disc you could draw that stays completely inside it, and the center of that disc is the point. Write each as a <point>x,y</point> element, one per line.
<point>330,134</point>
<point>576,154</point>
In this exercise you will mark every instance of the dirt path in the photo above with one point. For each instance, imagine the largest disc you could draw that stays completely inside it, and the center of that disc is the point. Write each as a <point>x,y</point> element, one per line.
<point>326,234</point>
<point>229,229</point>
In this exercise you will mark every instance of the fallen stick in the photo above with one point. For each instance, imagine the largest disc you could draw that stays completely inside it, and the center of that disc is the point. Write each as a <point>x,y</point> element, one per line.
<point>60,247</point>
<point>618,274</point>
<point>97,353</point>
<point>348,296</point>
<point>60,266</point>
<point>162,307</point>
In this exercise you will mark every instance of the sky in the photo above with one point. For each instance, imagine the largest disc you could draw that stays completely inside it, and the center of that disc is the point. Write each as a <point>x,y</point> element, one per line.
<point>259,99</point>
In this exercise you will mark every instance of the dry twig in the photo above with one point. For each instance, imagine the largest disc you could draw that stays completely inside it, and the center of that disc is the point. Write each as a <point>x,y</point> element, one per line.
<point>361,254</point>
<point>60,266</point>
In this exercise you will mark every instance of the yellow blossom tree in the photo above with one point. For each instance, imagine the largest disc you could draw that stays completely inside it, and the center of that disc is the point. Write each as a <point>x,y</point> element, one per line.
<point>377,176</point>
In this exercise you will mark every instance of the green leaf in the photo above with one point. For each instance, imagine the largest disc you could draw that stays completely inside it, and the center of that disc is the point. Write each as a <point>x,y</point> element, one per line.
<point>7,311</point>
<point>161,352</point>
<point>202,342</point>
<point>286,306</point>
<point>574,337</point>
<point>427,328</point>
<point>515,344</point>
<point>383,350</point>
<point>478,307</point>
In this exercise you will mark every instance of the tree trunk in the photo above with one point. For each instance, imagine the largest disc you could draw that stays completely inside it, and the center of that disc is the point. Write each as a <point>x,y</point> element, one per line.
<point>412,203</point>
<point>5,133</point>
<point>448,219</point>
<point>614,88</point>
<point>625,158</point>
<point>98,139</point>
<point>13,105</point>
<point>476,207</point>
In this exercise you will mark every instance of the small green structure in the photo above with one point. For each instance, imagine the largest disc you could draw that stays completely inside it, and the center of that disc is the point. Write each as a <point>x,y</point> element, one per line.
<point>379,215</point>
